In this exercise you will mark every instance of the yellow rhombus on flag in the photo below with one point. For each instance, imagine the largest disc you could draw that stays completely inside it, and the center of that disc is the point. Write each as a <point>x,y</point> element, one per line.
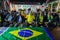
<point>35,33</point>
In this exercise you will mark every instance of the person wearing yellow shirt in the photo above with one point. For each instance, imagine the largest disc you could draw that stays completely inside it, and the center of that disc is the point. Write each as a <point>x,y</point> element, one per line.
<point>30,19</point>
<point>41,17</point>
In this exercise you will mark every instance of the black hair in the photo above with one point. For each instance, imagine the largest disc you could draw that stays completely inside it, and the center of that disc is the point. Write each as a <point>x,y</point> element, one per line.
<point>29,9</point>
<point>38,10</point>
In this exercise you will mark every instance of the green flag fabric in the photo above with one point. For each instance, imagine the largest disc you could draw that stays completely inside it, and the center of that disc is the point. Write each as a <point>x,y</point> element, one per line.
<point>12,34</point>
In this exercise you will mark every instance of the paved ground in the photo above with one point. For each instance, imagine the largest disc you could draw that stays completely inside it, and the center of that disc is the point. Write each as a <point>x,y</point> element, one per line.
<point>56,33</point>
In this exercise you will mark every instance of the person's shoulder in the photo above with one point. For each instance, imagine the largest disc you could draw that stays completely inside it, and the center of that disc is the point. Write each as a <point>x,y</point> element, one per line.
<point>27,15</point>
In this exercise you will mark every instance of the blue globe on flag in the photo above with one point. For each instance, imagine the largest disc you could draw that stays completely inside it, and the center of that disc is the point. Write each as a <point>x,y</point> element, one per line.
<point>25,33</point>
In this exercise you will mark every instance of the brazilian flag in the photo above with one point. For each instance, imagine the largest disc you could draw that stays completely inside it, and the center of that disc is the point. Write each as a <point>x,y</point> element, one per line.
<point>28,33</point>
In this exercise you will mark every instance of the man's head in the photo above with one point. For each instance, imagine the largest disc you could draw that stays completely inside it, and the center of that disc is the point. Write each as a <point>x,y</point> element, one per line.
<point>32,13</point>
<point>29,9</point>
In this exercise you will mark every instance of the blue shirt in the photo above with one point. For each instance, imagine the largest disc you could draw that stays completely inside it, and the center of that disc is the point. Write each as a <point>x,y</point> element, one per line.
<point>10,18</point>
<point>19,19</point>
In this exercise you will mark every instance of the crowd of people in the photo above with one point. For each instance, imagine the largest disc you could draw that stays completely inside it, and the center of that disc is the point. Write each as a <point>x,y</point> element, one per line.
<point>30,18</point>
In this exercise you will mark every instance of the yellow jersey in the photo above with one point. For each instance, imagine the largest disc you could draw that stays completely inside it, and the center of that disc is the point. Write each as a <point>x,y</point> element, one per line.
<point>41,18</point>
<point>30,18</point>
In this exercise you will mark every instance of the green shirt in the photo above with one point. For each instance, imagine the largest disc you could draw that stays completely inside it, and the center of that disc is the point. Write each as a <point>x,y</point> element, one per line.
<point>50,17</point>
<point>30,18</point>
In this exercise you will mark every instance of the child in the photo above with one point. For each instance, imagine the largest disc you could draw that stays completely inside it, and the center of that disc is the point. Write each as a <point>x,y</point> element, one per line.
<point>30,19</point>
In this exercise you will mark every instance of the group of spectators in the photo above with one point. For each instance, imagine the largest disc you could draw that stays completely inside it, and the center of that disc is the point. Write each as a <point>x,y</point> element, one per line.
<point>30,18</point>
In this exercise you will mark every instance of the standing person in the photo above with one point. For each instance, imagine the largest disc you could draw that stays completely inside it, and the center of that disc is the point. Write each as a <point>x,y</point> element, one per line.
<point>8,20</point>
<point>29,10</point>
<point>23,16</point>
<point>19,20</point>
<point>15,18</point>
<point>50,17</point>
<point>37,20</point>
<point>41,17</point>
<point>1,19</point>
<point>30,19</point>
<point>50,20</point>
<point>56,18</point>
<point>45,15</point>
<point>26,11</point>
<point>59,19</point>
